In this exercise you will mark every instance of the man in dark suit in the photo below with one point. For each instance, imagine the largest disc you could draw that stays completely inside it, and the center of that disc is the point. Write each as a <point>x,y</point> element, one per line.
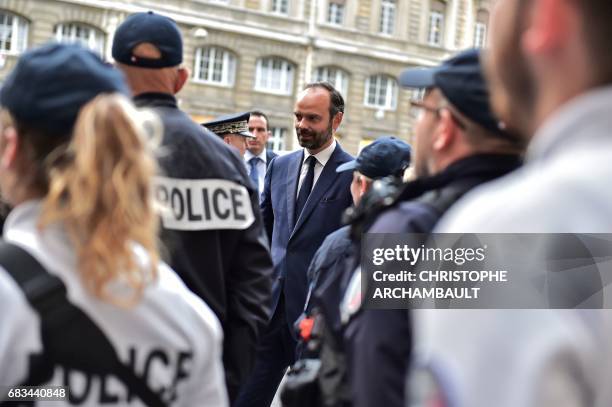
<point>257,156</point>
<point>303,201</point>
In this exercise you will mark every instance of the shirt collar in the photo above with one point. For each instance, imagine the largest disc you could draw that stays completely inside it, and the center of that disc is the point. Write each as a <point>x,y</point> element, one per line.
<point>21,216</point>
<point>155,99</point>
<point>574,124</point>
<point>322,156</point>
<point>262,156</point>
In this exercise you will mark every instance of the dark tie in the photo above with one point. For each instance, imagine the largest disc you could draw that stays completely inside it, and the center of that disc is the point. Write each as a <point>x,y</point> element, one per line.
<point>306,187</point>
<point>254,173</point>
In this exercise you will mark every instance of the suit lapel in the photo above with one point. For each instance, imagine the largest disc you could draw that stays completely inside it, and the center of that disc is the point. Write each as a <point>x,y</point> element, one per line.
<point>326,179</point>
<point>293,175</point>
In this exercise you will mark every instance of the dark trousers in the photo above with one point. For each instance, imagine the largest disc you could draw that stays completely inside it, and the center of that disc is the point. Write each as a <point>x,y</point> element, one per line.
<point>275,353</point>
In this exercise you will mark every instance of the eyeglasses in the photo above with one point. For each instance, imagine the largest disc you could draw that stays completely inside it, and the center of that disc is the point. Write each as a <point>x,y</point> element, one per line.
<point>417,108</point>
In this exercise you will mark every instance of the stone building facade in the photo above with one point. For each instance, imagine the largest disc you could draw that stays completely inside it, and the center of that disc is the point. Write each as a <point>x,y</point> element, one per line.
<point>245,54</point>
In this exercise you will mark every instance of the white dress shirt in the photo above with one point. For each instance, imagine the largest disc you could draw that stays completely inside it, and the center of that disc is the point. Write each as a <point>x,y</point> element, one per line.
<point>322,158</point>
<point>261,167</point>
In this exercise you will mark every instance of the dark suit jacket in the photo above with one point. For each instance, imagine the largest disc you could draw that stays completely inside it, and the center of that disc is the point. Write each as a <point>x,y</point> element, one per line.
<point>270,155</point>
<point>293,247</point>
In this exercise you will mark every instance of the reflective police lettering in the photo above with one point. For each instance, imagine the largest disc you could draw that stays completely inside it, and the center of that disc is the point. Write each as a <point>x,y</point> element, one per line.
<point>162,371</point>
<point>203,204</point>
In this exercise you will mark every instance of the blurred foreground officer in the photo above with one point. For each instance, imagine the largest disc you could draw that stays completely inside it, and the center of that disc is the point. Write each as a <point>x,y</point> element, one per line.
<point>320,327</point>
<point>213,226</point>
<point>77,168</point>
<point>458,145</point>
<point>258,157</point>
<point>304,198</point>
<point>558,91</point>
<point>233,129</point>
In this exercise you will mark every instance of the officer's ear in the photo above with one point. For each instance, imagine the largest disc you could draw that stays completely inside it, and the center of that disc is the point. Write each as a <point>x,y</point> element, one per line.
<point>445,132</point>
<point>183,75</point>
<point>9,148</point>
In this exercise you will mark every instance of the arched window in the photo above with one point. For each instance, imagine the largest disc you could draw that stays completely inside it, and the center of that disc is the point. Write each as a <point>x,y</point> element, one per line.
<point>274,75</point>
<point>333,75</point>
<point>13,33</point>
<point>215,65</point>
<point>480,29</point>
<point>86,35</point>
<point>381,92</point>
<point>435,33</point>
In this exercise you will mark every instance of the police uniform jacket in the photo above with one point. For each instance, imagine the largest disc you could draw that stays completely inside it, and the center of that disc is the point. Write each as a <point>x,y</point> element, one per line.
<point>213,231</point>
<point>171,338</point>
<point>378,342</point>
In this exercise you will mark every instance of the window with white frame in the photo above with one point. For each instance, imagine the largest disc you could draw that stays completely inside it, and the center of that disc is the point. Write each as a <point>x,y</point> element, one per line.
<point>215,66</point>
<point>85,35</point>
<point>381,92</point>
<point>335,76</point>
<point>280,7</point>
<point>276,142</point>
<point>13,33</point>
<point>387,17</point>
<point>480,29</point>
<point>274,75</point>
<point>435,33</point>
<point>480,35</point>
<point>335,12</point>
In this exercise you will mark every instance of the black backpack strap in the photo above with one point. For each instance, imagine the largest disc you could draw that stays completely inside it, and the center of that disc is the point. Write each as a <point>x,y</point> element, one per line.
<point>69,337</point>
<point>442,199</point>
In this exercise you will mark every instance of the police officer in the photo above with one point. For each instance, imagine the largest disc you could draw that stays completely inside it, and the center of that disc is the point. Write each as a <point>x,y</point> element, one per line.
<point>233,129</point>
<point>212,226</point>
<point>77,167</point>
<point>459,144</point>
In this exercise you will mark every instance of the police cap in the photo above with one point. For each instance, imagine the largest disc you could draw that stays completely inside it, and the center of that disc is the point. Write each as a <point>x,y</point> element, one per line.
<point>461,81</point>
<point>383,157</point>
<point>51,83</point>
<point>230,124</point>
<point>152,28</point>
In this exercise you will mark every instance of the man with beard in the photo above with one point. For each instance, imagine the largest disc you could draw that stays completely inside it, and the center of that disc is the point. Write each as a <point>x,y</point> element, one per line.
<point>550,70</point>
<point>458,145</point>
<point>303,201</point>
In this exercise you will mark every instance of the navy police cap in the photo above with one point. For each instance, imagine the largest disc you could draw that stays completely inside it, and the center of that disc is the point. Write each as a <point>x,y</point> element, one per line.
<point>383,157</point>
<point>230,124</point>
<point>152,28</point>
<point>462,82</point>
<point>50,84</point>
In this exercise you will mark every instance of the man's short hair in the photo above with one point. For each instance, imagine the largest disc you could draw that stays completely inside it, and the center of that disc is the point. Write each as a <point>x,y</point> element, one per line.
<point>597,15</point>
<point>336,101</point>
<point>259,113</point>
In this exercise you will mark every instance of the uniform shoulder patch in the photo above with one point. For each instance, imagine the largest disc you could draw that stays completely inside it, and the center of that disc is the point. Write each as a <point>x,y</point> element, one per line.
<point>204,204</point>
<point>351,303</point>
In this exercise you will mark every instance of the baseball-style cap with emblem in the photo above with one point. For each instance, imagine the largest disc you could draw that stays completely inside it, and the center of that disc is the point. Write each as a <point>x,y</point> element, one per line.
<point>152,28</point>
<point>230,124</point>
<point>462,82</point>
<point>383,157</point>
<point>50,84</point>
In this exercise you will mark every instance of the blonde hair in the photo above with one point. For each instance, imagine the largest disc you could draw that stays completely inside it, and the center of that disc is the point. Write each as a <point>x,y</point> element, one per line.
<point>99,186</point>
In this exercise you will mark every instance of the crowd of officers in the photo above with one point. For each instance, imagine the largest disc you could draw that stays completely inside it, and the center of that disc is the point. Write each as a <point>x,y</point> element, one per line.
<point>257,277</point>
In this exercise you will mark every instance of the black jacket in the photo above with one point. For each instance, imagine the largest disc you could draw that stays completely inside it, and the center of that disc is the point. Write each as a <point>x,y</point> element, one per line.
<point>378,342</point>
<point>226,264</point>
